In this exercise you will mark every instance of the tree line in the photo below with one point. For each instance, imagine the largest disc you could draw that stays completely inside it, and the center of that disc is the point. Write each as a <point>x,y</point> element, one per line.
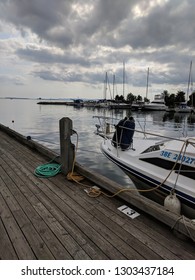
<point>171,99</point>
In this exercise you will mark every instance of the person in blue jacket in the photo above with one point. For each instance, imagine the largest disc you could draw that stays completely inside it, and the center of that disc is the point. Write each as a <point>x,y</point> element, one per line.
<point>127,133</point>
<point>116,139</point>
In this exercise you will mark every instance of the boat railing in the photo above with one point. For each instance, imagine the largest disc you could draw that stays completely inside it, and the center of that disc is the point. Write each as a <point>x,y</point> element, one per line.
<point>190,140</point>
<point>106,128</point>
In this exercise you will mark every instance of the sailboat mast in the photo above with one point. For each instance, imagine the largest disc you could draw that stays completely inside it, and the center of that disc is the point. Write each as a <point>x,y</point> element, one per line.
<point>123,79</point>
<point>189,80</point>
<point>192,92</point>
<point>113,85</point>
<point>105,85</point>
<point>147,83</point>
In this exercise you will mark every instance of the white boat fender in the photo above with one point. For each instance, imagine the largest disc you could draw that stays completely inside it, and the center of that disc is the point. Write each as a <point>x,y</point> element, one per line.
<point>172,203</point>
<point>193,221</point>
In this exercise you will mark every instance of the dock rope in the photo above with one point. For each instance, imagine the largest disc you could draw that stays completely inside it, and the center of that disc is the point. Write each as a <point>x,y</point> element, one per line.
<point>48,169</point>
<point>73,176</point>
<point>183,218</point>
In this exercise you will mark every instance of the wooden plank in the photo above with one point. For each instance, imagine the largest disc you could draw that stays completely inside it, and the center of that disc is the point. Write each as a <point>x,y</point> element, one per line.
<point>103,229</point>
<point>68,242</point>
<point>89,246</point>
<point>149,245</point>
<point>34,188</point>
<point>185,226</point>
<point>7,251</point>
<point>74,230</point>
<point>159,232</point>
<point>44,237</point>
<point>65,238</point>
<point>183,247</point>
<point>67,210</point>
<point>97,210</point>
<point>135,200</point>
<point>36,242</point>
<point>147,251</point>
<point>18,240</point>
<point>79,217</point>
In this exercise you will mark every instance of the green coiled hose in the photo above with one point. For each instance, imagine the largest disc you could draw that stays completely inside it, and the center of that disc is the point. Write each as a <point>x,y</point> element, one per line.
<point>47,170</point>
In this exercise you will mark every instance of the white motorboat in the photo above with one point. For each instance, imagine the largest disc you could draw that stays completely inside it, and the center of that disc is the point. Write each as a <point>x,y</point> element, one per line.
<point>159,168</point>
<point>158,104</point>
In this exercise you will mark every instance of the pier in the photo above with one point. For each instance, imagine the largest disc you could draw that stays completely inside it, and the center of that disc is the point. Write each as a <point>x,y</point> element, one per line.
<point>55,218</point>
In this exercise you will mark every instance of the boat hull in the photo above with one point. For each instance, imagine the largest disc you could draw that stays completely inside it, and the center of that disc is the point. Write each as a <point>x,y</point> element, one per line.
<point>159,195</point>
<point>153,108</point>
<point>144,181</point>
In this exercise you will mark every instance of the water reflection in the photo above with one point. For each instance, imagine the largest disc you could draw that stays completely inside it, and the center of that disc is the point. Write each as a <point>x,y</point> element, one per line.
<point>191,118</point>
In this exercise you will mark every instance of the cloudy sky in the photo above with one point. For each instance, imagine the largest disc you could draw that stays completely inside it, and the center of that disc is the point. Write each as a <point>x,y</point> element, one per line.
<point>63,48</point>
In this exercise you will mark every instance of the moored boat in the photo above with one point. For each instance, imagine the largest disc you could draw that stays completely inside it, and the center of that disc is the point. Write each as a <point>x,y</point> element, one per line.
<point>159,168</point>
<point>183,108</point>
<point>158,104</point>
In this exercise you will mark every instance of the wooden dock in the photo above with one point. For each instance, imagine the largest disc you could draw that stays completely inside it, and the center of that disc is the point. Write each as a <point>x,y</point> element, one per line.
<point>54,218</point>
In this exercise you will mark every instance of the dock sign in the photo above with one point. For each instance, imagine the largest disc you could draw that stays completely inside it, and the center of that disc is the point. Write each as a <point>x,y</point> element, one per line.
<point>128,211</point>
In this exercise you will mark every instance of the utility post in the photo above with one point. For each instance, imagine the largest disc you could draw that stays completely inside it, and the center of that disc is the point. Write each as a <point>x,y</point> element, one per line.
<point>67,149</point>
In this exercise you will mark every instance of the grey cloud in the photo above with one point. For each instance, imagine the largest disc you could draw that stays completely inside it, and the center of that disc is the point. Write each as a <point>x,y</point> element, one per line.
<point>68,75</point>
<point>40,16</point>
<point>163,35</point>
<point>109,23</point>
<point>168,25</point>
<point>46,56</point>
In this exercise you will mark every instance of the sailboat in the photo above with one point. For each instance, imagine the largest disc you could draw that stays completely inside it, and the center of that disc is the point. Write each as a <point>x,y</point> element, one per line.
<point>183,107</point>
<point>139,105</point>
<point>104,103</point>
<point>158,104</point>
<point>121,105</point>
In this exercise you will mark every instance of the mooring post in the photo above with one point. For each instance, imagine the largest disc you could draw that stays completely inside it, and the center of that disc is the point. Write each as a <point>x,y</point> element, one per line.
<point>67,149</point>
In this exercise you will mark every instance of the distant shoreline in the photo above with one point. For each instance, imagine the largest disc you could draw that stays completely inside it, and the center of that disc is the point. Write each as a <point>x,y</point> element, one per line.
<point>54,103</point>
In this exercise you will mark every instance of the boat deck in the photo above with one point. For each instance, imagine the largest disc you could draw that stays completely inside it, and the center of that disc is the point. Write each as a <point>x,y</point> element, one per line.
<point>54,218</point>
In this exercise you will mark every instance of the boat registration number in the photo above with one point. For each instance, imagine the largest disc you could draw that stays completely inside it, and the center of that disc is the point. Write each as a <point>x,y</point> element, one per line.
<point>177,157</point>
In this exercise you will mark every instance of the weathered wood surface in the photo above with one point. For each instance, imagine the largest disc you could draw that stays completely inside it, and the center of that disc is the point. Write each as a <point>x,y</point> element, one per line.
<point>55,219</point>
<point>180,223</point>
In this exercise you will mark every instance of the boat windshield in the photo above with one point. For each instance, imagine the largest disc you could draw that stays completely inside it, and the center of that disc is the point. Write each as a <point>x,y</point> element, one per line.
<point>152,149</point>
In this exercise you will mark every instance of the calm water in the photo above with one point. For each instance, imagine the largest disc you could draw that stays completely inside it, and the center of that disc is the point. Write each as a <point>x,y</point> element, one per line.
<point>41,122</point>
